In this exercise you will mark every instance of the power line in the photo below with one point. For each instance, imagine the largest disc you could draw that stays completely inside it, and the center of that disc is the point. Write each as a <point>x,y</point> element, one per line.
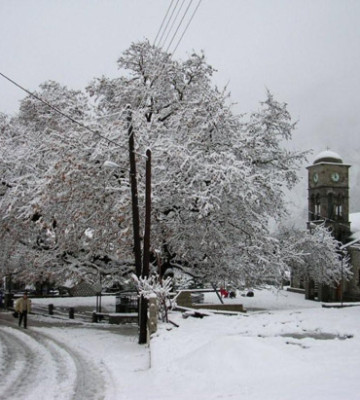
<point>187,26</point>
<point>181,21</point>
<point>167,24</point>
<point>162,23</point>
<point>96,133</point>
<point>173,23</point>
<point>165,29</point>
<point>159,63</point>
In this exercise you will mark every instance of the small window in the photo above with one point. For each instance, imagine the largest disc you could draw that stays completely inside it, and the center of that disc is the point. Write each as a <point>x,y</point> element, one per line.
<point>317,207</point>
<point>331,206</point>
<point>339,210</point>
<point>339,206</point>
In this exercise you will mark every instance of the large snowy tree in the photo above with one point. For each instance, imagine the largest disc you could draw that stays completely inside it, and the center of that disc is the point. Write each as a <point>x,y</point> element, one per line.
<point>218,177</point>
<point>59,215</point>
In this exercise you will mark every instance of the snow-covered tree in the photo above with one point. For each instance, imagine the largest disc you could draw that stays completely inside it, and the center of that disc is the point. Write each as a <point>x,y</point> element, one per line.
<point>60,203</point>
<point>217,177</point>
<point>315,254</point>
<point>161,288</point>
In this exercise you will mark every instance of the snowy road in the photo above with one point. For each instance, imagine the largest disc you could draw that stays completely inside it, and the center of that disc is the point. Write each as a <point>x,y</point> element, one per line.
<point>30,358</point>
<point>54,361</point>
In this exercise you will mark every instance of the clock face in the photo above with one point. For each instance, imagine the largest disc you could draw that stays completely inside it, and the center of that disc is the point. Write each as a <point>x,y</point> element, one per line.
<point>315,177</point>
<point>335,177</point>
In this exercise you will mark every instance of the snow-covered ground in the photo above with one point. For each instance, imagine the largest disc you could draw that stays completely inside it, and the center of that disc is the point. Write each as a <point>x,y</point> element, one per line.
<point>286,349</point>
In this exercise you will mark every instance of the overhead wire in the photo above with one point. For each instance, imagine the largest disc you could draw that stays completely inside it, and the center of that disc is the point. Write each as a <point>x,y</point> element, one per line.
<point>162,23</point>
<point>173,23</point>
<point>187,26</point>
<point>167,24</point>
<point>167,30</point>
<point>179,25</point>
<point>159,63</point>
<point>96,133</point>
<point>181,21</point>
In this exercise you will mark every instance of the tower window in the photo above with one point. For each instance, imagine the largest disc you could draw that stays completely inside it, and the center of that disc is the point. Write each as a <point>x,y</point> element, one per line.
<point>330,205</point>
<point>317,207</point>
<point>339,210</point>
<point>312,208</point>
<point>339,206</point>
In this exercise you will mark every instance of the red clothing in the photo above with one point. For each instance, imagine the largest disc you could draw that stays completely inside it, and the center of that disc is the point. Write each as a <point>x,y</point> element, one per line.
<point>224,293</point>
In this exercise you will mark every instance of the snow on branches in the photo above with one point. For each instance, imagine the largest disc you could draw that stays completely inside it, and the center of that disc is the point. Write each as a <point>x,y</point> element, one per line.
<point>217,177</point>
<point>153,285</point>
<point>315,254</point>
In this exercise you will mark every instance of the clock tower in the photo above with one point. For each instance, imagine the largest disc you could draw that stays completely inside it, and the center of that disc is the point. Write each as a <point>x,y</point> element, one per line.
<point>328,191</point>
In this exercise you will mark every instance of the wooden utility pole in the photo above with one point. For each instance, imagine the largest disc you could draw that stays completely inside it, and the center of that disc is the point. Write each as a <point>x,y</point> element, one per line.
<point>146,260</point>
<point>141,269</point>
<point>134,196</point>
<point>146,254</point>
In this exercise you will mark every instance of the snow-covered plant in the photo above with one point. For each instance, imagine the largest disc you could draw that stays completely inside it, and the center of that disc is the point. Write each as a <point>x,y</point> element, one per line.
<point>161,288</point>
<point>58,200</point>
<point>217,177</point>
<point>315,254</point>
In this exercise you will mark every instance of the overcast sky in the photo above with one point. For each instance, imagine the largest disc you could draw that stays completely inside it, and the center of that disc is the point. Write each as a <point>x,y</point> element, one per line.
<point>307,52</point>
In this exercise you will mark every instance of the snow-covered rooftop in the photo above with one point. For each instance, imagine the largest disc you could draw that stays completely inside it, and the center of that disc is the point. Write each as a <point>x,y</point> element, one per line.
<point>328,156</point>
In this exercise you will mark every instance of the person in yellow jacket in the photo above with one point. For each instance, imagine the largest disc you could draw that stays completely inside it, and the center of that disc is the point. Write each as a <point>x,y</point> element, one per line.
<point>23,307</point>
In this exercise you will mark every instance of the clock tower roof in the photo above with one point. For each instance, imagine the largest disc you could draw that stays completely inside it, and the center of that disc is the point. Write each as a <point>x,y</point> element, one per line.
<point>328,156</point>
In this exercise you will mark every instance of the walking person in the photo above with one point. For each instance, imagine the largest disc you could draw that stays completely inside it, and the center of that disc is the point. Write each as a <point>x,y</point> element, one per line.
<point>23,307</point>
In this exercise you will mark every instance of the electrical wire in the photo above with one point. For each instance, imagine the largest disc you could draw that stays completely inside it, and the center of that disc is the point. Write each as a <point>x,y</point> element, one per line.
<point>162,23</point>
<point>173,23</point>
<point>96,133</point>
<point>187,26</point>
<point>177,29</point>
<point>166,27</point>
<point>141,103</point>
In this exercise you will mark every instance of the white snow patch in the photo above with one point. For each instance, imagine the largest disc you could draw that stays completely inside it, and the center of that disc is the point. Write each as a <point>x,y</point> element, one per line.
<point>282,350</point>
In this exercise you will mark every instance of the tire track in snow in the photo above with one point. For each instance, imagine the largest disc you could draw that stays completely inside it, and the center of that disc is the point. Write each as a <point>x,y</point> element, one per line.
<point>38,366</point>
<point>19,367</point>
<point>89,383</point>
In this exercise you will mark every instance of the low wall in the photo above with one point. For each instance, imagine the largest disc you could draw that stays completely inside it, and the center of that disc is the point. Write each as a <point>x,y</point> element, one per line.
<point>184,300</point>
<point>220,307</point>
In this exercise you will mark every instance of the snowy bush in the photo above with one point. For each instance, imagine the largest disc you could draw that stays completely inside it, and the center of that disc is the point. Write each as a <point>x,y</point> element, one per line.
<point>161,288</point>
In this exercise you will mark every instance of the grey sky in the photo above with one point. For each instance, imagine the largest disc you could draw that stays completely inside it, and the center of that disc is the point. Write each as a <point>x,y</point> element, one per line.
<point>307,52</point>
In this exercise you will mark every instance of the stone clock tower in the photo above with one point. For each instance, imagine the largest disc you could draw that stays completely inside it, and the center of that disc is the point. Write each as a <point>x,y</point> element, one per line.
<point>328,200</point>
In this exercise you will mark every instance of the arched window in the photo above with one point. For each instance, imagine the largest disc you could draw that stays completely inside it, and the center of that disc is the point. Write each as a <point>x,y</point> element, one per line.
<point>339,207</point>
<point>312,212</point>
<point>330,206</point>
<point>317,207</point>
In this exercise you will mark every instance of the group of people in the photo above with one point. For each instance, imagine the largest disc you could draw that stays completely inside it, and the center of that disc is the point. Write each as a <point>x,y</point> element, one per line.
<point>23,308</point>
